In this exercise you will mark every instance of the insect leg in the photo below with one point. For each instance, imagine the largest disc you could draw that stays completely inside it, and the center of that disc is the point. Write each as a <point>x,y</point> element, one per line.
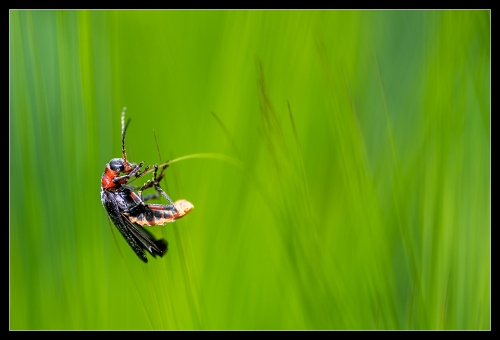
<point>163,193</point>
<point>150,196</point>
<point>154,183</point>
<point>135,172</point>
<point>146,197</point>
<point>150,184</point>
<point>162,173</point>
<point>157,179</point>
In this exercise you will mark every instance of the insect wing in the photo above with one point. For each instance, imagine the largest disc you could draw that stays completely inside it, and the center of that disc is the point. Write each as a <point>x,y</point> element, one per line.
<point>146,239</point>
<point>114,213</point>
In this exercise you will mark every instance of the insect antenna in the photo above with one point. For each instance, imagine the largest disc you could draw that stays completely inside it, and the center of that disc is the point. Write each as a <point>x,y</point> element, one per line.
<point>162,173</point>
<point>159,157</point>
<point>124,129</point>
<point>157,146</point>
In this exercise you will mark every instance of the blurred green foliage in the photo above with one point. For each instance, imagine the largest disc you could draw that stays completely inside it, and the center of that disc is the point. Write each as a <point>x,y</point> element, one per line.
<point>363,201</point>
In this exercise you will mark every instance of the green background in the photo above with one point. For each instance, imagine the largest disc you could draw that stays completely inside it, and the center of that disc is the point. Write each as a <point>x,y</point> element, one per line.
<point>348,187</point>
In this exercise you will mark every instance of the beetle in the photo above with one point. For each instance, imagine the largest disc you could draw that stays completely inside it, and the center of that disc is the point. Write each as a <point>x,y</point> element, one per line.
<point>128,210</point>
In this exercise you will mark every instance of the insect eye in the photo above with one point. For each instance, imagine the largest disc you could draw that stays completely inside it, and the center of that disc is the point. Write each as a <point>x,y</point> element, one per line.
<point>116,164</point>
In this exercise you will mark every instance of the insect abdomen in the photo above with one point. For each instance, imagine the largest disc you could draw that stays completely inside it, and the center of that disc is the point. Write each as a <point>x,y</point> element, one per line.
<point>154,214</point>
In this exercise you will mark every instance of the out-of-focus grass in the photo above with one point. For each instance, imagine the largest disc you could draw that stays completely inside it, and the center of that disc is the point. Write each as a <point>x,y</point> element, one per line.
<point>363,202</point>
